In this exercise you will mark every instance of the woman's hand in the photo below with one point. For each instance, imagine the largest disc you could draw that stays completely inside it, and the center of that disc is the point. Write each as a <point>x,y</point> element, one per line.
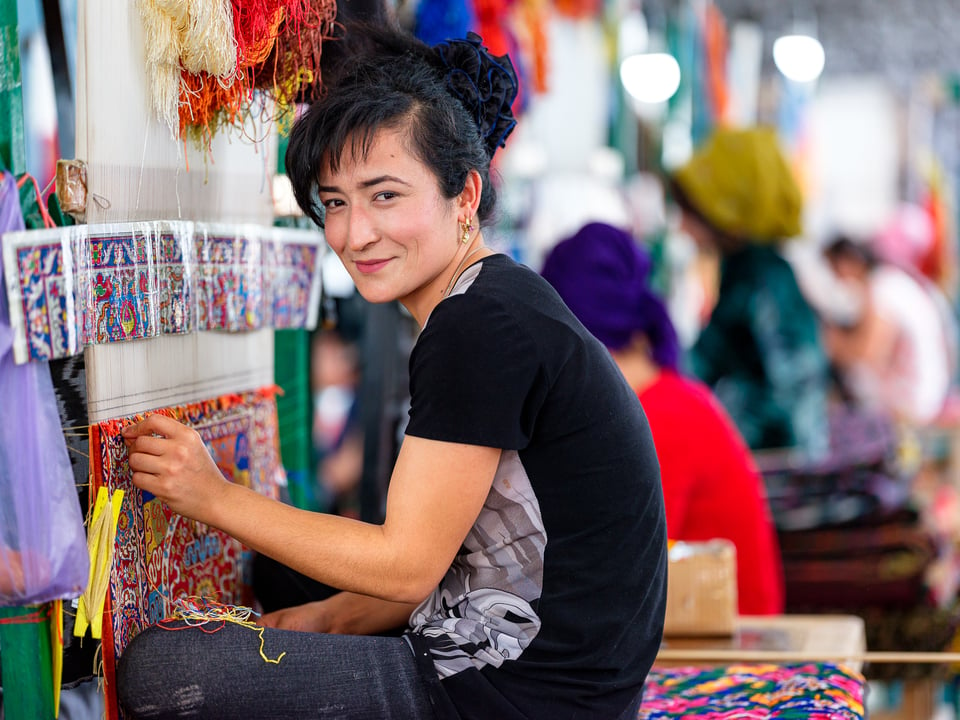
<point>345,613</point>
<point>311,617</point>
<point>170,460</point>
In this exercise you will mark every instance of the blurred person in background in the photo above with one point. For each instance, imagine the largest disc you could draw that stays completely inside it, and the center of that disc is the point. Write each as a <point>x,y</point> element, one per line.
<point>760,351</point>
<point>337,431</point>
<point>895,354</point>
<point>711,486</point>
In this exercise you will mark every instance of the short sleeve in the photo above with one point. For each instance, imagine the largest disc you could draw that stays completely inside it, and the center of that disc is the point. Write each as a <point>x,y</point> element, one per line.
<point>475,376</point>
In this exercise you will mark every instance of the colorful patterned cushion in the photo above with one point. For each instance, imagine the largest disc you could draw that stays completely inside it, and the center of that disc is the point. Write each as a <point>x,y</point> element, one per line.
<point>813,691</point>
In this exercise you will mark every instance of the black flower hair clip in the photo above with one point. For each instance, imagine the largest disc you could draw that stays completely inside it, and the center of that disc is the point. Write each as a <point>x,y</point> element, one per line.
<point>486,85</point>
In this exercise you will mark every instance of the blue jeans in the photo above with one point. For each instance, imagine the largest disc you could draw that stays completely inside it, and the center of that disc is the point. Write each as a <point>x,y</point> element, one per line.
<point>192,672</point>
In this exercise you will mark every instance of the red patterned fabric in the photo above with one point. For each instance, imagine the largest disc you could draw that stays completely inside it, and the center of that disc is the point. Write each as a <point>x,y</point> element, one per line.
<point>159,555</point>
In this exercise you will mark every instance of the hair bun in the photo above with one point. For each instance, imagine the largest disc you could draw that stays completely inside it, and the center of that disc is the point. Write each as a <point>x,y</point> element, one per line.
<point>486,85</point>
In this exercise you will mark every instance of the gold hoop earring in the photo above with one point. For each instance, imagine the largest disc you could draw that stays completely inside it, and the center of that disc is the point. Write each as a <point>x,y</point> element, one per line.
<point>465,229</point>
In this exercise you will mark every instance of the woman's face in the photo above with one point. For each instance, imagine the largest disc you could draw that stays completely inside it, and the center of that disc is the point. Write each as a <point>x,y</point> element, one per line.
<point>697,230</point>
<point>389,224</point>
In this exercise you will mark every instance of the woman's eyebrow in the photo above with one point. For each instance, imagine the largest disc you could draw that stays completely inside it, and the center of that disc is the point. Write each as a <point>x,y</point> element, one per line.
<point>364,184</point>
<point>382,179</point>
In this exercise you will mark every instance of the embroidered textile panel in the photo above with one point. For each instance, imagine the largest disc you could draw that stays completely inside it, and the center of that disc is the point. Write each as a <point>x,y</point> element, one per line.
<point>810,690</point>
<point>159,555</point>
<point>93,284</point>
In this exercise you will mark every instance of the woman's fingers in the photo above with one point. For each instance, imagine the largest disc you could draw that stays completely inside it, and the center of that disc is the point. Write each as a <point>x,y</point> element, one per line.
<point>155,424</point>
<point>146,444</point>
<point>310,617</point>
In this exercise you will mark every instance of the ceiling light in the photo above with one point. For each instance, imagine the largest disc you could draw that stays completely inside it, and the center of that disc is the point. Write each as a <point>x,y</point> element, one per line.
<point>799,57</point>
<point>650,77</point>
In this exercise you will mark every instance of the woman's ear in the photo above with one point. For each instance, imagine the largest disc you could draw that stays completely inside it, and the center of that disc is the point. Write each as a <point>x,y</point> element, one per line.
<point>469,199</point>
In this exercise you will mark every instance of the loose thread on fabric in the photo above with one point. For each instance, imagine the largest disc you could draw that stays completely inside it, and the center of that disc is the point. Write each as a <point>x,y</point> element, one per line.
<point>37,616</point>
<point>98,666</point>
<point>50,184</point>
<point>81,453</point>
<point>47,219</point>
<point>197,612</point>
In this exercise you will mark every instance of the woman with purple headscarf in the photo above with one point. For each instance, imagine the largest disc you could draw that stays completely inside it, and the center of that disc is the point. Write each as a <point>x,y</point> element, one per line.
<point>711,486</point>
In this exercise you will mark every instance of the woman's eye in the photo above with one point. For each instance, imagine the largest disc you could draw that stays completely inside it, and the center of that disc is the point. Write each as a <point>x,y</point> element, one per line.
<point>385,195</point>
<point>332,203</point>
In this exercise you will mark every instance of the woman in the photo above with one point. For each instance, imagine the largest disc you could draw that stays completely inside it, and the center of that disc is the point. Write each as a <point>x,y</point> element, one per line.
<point>760,351</point>
<point>711,486</point>
<point>524,539</point>
<point>895,357</point>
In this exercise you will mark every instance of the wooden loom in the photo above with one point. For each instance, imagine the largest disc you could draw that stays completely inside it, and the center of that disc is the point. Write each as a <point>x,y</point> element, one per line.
<point>136,171</point>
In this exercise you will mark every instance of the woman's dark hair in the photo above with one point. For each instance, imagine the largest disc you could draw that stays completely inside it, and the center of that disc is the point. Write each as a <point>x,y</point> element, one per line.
<point>843,247</point>
<point>453,102</point>
<point>679,196</point>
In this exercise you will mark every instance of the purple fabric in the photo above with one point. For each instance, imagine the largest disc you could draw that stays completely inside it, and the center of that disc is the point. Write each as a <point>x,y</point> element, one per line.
<point>602,274</point>
<point>43,547</point>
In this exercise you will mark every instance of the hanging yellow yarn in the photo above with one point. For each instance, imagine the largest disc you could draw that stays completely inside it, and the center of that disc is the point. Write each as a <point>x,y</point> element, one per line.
<point>164,84</point>
<point>162,23</point>
<point>208,43</point>
<point>101,536</point>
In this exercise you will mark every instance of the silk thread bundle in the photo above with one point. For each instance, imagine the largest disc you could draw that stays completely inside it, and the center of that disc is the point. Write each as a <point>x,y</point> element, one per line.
<point>206,57</point>
<point>716,46</point>
<point>499,38</point>
<point>195,35</point>
<point>208,42</point>
<point>162,24</point>
<point>256,25</point>
<point>532,35</point>
<point>292,69</point>
<point>198,612</point>
<point>578,9</point>
<point>206,105</point>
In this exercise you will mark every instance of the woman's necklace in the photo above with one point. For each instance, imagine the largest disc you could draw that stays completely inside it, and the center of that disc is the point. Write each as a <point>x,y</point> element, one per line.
<point>456,273</point>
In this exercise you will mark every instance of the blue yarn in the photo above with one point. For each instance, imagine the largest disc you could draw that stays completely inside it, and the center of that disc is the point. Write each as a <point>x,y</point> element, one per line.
<point>439,20</point>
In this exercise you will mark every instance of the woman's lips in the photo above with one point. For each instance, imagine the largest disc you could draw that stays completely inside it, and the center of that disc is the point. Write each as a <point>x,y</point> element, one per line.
<point>370,266</point>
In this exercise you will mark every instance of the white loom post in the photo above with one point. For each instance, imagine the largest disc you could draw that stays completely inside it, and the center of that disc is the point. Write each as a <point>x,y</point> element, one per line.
<point>136,171</point>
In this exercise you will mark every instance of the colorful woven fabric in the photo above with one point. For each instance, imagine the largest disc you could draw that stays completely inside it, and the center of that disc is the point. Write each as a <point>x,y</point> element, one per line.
<point>90,284</point>
<point>812,691</point>
<point>160,556</point>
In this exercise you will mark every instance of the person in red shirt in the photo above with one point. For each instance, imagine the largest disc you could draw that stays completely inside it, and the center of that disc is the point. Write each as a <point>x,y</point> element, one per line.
<point>711,485</point>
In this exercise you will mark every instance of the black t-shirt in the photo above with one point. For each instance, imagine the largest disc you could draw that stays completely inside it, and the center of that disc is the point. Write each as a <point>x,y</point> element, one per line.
<point>553,607</point>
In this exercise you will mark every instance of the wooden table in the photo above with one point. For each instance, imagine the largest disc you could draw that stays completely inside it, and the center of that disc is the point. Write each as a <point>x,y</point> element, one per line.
<point>776,639</point>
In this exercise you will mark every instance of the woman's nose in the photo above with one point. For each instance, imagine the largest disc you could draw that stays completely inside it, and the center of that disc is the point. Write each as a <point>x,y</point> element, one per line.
<point>361,230</point>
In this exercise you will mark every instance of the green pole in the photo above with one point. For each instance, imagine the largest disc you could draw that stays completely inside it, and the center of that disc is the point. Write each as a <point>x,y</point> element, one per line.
<point>295,413</point>
<point>25,663</point>
<point>12,148</point>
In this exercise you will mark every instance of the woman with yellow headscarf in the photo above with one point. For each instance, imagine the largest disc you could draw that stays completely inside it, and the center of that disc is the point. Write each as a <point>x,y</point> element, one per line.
<point>760,350</point>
